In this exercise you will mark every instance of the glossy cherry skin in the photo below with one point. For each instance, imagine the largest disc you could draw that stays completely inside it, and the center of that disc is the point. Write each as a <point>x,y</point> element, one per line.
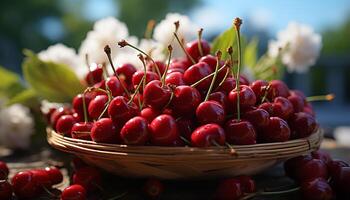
<point>153,188</point>
<point>149,114</point>
<point>297,102</point>
<point>227,86</point>
<point>309,109</point>
<point>185,126</point>
<point>277,89</point>
<point>58,113</point>
<point>240,132</point>
<point>210,60</point>
<point>5,190</point>
<point>73,192</point>
<point>82,130</point>
<point>25,186</point>
<point>195,73</point>
<point>221,98</point>
<point>4,170</point>
<point>64,124</point>
<point>247,184</point>
<point>246,97</point>
<point>322,155</point>
<point>156,95</point>
<point>277,131</point>
<point>115,86</point>
<point>316,189</point>
<point>163,130</point>
<point>334,168</point>
<point>206,135</point>
<point>210,112</point>
<point>97,105</point>
<point>282,108</point>
<point>302,125</point>
<point>342,183</point>
<point>126,70</point>
<point>186,63</point>
<point>259,87</point>
<point>153,67</point>
<point>257,116</point>
<point>135,131</point>
<point>291,165</point>
<point>177,67</point>
<point>104,131</point>
<point>185,100</point>
<point>229,189</point>
<point>311,169</point>
<point>94,75</point>
<point>175,78</point>
<point>121,111</point>
<point>78,105</point>
<point>137,77</point>
<point>88,177</point>
<point>55,175</point>
<point>192,49</point>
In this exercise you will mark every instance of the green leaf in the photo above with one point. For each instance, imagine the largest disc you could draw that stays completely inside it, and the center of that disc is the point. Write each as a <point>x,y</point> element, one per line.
<point>268,68</point>
<point>10,83</point>
<point>26,97</point>
<point>251,53</point>
<point>52,81</point>
<point>224,41</point>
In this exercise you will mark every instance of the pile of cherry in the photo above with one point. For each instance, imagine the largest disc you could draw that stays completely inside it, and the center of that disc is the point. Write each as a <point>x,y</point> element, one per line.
<point>182,103</point>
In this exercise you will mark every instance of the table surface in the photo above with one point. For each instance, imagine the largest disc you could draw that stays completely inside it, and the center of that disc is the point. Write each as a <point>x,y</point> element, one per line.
<point>115,186</point>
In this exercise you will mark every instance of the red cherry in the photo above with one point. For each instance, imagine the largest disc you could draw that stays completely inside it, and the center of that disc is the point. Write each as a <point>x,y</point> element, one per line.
<point>97,106</point>
<point>138,99</point>
<point>82,130</point>
<point>163,130</point>
<point>192,49</point>
<point>5,190</point>
<point>137,77</point>
<point>152,67</point>
<point>99,85</point>
<point>291,165</point>
<point>126,70</point>
<point>322,155</point>
<point>185,100</point>
<point>121,111</point>
<point>309,109</point>
<point>259,87</point>
<point>78,105</point>
<point>104,131</point>
<point>135,131</point>
<point>78,163</point>
<point>221,98</point>
<point>64,124</point>
<point>277,131</point>
<point>302,125</point>
<point>267,106</point>
<point>282,108</point>
<point>208,134</point>
<point>210,112</point>
<point>185,126</point>
<point>115,86</point>
<point>316,189</point>
<point>88,177</point>
<point>55,175</point>
<point>246,97</point>
<point>149,114</point>
<point>4,170</point>
<point>177,67</point>
<point>334,167</point>
<point>153,188</point>
<point>247,184</point>
<point>183,61</point>
<point>311,170</point>
<point>229,189</point>
<point>175,78</point>
<point>258,117</point>
<point>342,183</point>
<point>42,178</point>
<point>94,75</point>
<point>58,113</point>
<point>228,85</point>
<point>297,102</point>
<point>240,132</point>
<point>73,192</point>
<point>24,185</point>
<point>243,80</point>
<point>155,95</point>
<point>196,72</point>
<point>210,60</point>
<point>278,89</point>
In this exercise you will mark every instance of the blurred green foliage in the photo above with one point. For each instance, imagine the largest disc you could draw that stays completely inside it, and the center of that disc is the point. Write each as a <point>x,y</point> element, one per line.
<point>336,40</point>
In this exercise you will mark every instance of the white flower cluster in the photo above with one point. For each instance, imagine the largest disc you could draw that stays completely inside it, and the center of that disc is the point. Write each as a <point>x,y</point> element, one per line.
<point>17,127</point>
<point>299,46</point>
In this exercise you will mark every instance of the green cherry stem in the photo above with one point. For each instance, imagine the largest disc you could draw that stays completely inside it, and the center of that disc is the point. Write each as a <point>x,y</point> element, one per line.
<point>328,97</point>
<point>237,24</point>
<point>223,80</point>
<point>200,48</point>
<point>267,193</point>
<point>107,50</point>
<point>206,77</point>
<point>170,50</point>
<point>183,48</point>
<point>143,80</point>
<point>218,57</point>
<point>266,92</point>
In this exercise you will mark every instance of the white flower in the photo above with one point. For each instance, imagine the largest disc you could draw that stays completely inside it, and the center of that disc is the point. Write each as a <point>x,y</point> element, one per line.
<point>17,126</point>
<point>164,32</point>
<point>45,106</point>
<point>107,31</point>
<point>299,45</point>
<point>155,49</point>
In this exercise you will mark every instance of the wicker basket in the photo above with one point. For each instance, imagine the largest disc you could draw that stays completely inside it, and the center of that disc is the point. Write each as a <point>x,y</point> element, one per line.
<point>184,162</point>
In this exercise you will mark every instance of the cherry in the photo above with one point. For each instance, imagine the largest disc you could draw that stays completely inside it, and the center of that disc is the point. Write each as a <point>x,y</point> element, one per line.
<point>153,188</point>
<point>149,114</point>
<point>186,63</point>
<point>115,86</point>
<point>228,85</point>
<point>99,85</point>
<point>135,131</point>
<point>210,60</point>
<point>258,117</point>
<point>55,175</point>
<point>126,70</point>
<point>316,189</point>
<point>334,168</point>
<point>322,155</point>
<point>342,183</point>
<point>185,100</point>
<point>78,163</point>
<point>240,132</point>
<point>24,185</point>
<point>221,98</point>
<point>58,113</point>
<point>97,106</point>
<point>4,170</point>
<point>196,72</point>
<point>5,190</point>
<point>278,89</point>
<point>176,66</point>
<point>137,77</point>
<point>121,111</point>
<point>297,101</point>
<point>156,95</point>
<point>208,135</point>
<point>276,131</point>
<point>309,109</point>
<point>267,106</point>
<point>176,69</point>
<point>259,87</point>
<point>138,99</point>
<point>163,130</point>
<point>247,184</point>
<point>73,192</point>
<point>42,178</point>
<point>193,50</point>
<point>64,124</point>
<point>175,78</point>
<point>153,67</point>
<point>88,177</point>
<point>82,130</point>
<point>291,165</point>
<point>302,125</point>
<point>243,80</point>
<point>94,75</point>
<point>104,131</point>
<point>185,126</point>
<point>210,112</point>
<point>282,108</point>
<point>246,97</point>
<point>229,189</point>
<point>311,169</point>
<point>77,103</point>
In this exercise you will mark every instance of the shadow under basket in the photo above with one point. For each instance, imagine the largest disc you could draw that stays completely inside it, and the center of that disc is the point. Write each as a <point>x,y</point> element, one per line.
<point>184,162</point>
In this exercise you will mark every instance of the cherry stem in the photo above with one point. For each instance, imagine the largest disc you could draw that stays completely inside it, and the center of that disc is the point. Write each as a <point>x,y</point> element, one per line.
<point>136,90</point>
<point>215,143</point>
<point>200,48</point>
<point>206,77</point>
<point>267,88</point>
<point>237,24</point>
<point>183,48</point>
<point>328,97</point>
<point>149,29</point>
<point>84,108</point>
<point>232,150</point>
<point>142,81</point>
<point>107,50</point>
<point>185,140</point>
<point>223,80</point>
<point>266,193</point>
<point>218,57</point>
<point>170,50</point>
<point>230,52</point>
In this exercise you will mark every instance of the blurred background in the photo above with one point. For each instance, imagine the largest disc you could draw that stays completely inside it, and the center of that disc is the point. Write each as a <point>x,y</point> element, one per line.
<point>36,24</point>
